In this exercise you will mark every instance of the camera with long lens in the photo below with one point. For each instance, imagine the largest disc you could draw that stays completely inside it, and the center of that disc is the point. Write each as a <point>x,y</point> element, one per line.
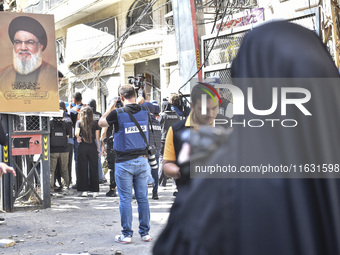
<point>137,82</point>
<point>153,162</point>
<point>109,143</point>
<point>152,157</point>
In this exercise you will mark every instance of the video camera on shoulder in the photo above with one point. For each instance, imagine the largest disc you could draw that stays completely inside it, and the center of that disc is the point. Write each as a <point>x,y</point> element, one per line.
<point>137,82</point>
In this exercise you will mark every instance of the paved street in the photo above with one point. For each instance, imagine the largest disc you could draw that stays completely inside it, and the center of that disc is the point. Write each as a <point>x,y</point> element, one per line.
<point>76,225</point>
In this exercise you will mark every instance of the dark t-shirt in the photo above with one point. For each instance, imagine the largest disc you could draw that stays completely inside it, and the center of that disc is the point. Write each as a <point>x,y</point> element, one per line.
<point>96,117</point>
<point>74,113</point>
<point>167,119</point>
<point>112,119</point>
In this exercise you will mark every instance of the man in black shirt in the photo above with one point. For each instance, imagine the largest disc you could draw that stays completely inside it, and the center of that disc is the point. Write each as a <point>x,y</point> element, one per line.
<point>77,99</point>
<point>60,132</point>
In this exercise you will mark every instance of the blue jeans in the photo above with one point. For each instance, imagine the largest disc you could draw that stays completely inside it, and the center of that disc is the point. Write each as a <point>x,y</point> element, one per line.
<point>134,173</point>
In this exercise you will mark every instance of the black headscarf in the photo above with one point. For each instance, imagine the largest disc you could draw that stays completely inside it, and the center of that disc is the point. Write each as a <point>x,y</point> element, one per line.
<point>274,215</point>
<point>285,50</point>
<point>92,103</point>
<point>298,216</point>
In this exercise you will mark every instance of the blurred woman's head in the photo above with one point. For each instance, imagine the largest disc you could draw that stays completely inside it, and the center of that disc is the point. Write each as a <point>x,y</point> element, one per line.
<point>174,100</point>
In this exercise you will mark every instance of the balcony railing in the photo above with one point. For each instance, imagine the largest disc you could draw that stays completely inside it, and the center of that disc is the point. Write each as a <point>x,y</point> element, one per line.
<point>42,6</point>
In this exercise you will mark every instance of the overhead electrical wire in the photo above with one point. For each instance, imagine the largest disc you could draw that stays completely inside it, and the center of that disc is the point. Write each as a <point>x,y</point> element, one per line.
<point>125,36</point>
<point>120,41</point>
<point>207,56</point>
<point>110,45</point>
<point>233,6</point>
<point>216,16</point>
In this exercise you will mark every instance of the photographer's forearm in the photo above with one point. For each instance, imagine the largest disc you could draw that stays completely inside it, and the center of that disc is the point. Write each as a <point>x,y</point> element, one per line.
<point>102,121</point>
<point>145,95</point>
<point>103,133</point>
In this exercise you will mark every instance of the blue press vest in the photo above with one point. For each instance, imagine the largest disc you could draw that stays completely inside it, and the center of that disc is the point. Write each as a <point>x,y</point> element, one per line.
<point>128,138</point>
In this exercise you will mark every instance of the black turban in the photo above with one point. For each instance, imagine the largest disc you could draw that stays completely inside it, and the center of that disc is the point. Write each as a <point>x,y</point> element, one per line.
<point>30,25</point>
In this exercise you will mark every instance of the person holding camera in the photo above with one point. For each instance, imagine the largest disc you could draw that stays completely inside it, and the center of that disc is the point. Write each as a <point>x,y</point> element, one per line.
<point>138,84</point>
<point>155,140</point>
<point>167,118</point>
<point>107,138</point>
<point>174,141</point>
<point>175,105</point>
<point>132,168</point>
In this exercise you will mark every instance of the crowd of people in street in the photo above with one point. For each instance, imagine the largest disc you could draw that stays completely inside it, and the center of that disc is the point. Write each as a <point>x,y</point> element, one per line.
<point>83,136</point>
<point>67,135</point>
<point>146,144</point>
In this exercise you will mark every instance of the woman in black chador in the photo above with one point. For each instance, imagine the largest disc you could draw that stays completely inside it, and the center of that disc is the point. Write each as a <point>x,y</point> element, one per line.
<point>287,213</point>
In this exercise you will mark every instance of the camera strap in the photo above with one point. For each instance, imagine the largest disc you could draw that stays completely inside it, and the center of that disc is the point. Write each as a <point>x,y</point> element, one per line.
<point>138,126</point>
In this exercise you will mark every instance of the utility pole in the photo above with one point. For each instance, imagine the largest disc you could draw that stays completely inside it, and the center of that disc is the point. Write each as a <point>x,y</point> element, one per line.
<point>196,38</point>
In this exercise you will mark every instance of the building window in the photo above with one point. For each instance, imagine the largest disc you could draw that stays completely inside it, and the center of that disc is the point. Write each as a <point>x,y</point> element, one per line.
<point>169,19</point>
<point>60,50</point>
<point>168,7</point>
<point>136,9</point>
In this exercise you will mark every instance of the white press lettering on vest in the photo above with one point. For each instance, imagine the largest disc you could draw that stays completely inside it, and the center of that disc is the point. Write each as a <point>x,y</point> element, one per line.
<point>59,134</point>
<point>96,117</point>
<point>172,117</point>
<point>134,129</point>
<point>154,127</point>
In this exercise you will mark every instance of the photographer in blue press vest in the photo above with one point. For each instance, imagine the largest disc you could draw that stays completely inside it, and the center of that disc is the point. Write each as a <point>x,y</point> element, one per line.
<point>132,168</point>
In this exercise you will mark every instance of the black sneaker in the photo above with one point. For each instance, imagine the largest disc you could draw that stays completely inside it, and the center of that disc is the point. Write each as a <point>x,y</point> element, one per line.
<point>111,193</point>
<point>155,196</point>
<point>2,221</point>
<point>103,181</point>
<point>74,186</point>
<point>59,189</point>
